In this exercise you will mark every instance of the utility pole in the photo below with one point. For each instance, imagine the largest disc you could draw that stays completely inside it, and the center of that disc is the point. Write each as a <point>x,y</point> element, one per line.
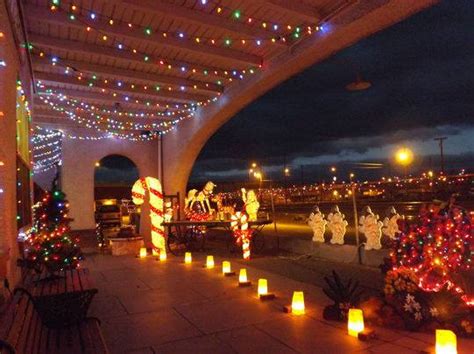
<point>440,141</point>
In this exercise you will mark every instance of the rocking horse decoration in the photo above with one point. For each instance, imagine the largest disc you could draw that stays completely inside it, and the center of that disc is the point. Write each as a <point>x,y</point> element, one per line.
<point>197,205</point>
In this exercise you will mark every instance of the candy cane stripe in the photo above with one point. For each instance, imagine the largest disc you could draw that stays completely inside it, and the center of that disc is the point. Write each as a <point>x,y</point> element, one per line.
<point>153,187</point>
<point>240,228</point>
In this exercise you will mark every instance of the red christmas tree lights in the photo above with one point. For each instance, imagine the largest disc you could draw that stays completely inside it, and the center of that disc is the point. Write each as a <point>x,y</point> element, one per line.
<point>50,244</point>
<point>438,248</point>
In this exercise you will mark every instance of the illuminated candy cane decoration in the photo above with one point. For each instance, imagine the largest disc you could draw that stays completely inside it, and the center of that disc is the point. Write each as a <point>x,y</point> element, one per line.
<point>153,187</point>
<point>242,233</point>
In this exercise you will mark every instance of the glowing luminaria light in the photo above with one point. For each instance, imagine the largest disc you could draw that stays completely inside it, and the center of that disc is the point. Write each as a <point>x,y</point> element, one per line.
<point>262,287</point>
<point>243,276</point>
<point>143,252</point>
<point>210,262</point>
<point>226,267</point>
<point>188,258</point>
<point>355,322</point>
<point>163,256</point>
<point>446,342</point>
<point>297,303</point>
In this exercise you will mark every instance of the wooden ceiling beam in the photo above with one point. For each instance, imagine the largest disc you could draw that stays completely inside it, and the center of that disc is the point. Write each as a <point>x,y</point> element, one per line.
<point>95,97</point>
<point>113,53</point>
<point>175,96</point>
<point>200,18</point>
<point>42,64</point>
<point>41,108</point>
<point>45,115</point>
<point>55,122</point>
<point>297,8</point>
<point>36,13</point>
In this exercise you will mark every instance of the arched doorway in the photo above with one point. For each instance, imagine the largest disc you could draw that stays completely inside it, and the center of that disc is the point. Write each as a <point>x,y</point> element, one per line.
<point>114,176</point>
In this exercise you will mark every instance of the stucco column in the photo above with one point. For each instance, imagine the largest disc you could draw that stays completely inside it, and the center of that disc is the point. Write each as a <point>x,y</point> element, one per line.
<point>8,77</point>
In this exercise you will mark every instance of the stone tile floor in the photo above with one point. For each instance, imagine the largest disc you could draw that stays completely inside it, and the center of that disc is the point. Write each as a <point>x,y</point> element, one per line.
<point>148,306</point>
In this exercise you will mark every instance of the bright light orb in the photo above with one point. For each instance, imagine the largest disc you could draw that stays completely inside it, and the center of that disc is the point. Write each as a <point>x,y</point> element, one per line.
<point>404,156</point>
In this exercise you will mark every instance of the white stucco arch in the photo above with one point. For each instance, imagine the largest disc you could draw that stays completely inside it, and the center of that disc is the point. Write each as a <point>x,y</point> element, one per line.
<point>78,172</point>
<point>182,146</point>
<point>130,158</point>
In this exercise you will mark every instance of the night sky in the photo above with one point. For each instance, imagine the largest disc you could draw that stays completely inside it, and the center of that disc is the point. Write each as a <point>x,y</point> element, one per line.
<point>422,78</point>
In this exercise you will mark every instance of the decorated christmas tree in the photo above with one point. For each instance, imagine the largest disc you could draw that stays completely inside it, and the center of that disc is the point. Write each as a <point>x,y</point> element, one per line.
<point>429,278</point>
<point>438,249</point>
<point>50,243</point>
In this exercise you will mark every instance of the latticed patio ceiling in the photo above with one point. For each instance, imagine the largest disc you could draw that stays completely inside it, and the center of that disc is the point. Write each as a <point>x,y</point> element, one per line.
<point>124,66</point>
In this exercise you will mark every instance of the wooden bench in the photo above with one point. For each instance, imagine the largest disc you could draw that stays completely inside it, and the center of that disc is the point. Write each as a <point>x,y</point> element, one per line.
<point>49,317</point>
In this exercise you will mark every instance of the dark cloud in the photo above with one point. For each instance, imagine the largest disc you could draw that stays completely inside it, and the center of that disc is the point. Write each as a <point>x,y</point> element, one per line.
<point>422,77</point>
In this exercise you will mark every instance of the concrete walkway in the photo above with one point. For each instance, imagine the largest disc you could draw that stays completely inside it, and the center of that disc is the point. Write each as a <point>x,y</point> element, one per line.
<point>148,306</point>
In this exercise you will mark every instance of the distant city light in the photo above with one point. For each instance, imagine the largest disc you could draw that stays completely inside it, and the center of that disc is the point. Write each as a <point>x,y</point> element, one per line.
<point>404,156</point>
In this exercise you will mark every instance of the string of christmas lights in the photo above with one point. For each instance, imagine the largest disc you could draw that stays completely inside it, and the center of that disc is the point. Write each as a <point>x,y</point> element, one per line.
<point>109,126</point>
<point>131,98</point>
<point>94,79</point>
<point>281,32</point>
<point>46,146</point>
<point>113,123</point>
<point>84,106</point>
<point>183,67</point>
<point>142,136</point>
<point>110,123</point>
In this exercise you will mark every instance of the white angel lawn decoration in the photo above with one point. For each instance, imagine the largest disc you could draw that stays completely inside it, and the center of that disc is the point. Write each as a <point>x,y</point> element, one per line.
<point>390,223</point>
<point>317,222</point>
<point>251,204</point>
<point>371,227</point>
<point>337,224</point>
